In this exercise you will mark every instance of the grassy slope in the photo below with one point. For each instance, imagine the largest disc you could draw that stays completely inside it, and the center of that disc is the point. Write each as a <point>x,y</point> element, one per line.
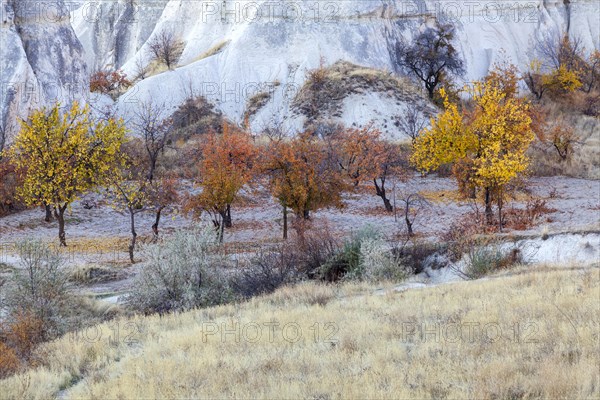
<point>555,355</point>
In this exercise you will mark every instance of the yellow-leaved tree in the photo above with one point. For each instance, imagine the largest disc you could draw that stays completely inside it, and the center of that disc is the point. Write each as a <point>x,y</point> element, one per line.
<point>65,154</point>
<point>485,143</point>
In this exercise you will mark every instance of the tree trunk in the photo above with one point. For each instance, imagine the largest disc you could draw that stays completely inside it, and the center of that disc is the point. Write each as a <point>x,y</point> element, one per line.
<point>227,217</point>
<point>500,213</point>
<point>221,229</point>
<point>408,223</point>
<point>380,191</point>
<point>156,222</point>
<point>285,222</point>
<point>133,235</point>
<point>48,217</point>
<point>430,91</point>
<point>152,168</point>
<point>59,213</point>
<point>306,214</point>
<point>488,206</point>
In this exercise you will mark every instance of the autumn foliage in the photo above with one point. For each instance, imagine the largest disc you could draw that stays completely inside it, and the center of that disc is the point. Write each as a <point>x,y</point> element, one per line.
<point>303,176</point>
<point>10,180</point>
<point>63,155</point>
<point>226,165</point>
<point>107,82</point>
<point>486,143</point>
<point>567,73</point>
<point>360,153</point>
<point>18,339</point>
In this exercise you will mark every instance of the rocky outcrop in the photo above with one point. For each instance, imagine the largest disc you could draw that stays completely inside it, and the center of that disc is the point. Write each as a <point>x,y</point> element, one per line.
<point>234,50</point>
<point>41,58</point>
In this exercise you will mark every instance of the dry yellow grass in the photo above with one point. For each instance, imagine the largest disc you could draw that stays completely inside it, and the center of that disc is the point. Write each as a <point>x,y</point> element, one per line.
<point>531,334</point>
<point>213,50</point>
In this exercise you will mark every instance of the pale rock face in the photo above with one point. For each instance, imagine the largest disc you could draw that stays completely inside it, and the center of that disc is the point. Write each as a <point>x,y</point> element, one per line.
<point>235,49</point>
<point>41,57</point>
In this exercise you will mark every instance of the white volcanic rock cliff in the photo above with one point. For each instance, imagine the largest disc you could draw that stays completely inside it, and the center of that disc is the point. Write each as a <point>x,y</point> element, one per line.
<point>235,49</point>
<point>41,59</point>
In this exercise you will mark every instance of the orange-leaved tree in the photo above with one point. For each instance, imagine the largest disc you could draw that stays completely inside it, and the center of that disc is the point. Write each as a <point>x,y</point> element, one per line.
<point>363,156</point>
<point>303,176</point>
<point>227,164</point>
<point>359,153</point>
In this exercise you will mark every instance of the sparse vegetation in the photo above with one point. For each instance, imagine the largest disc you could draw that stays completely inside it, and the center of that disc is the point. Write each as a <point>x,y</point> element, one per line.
<point>255,103</point>
<point>166,48</point>
<point>372,293</point>
<point>321,96</point>
<point>113,83</point>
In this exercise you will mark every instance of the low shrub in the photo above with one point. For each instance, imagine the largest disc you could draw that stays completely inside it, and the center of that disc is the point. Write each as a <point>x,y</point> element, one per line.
<point>485,259</point>
<point>267,272</point>
<point>525,218</point>
<point>37,305</point>
<point>181,272</point>
<point>345,263</point>
<point>23,334</point>
<point>364,256</point>
<point>414,255</point>
<point>9,361</point>
<point>378,263</point>
<point>109,82</point>
<point>38,288</point>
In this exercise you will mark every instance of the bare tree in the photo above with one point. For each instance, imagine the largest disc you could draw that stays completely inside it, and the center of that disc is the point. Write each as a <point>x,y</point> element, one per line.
<point>275,130</point>
<point>412,122</point>
<point>556,51</point>
<point>166,48</point>
<point>430,56</point>
<point>592,72</point>
<point>413,204</point>
<point>393,166</point>
<point>130,195</point>
<point>154,128</point>
<point>141,69</point>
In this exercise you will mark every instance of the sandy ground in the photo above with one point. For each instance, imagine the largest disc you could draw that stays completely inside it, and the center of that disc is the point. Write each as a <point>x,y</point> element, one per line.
<point>576,204</point>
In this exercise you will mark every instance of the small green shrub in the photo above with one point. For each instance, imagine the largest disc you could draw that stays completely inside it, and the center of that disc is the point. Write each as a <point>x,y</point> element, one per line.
<point>483,260</point>
<point>378,263</point>
<point>364,256</point>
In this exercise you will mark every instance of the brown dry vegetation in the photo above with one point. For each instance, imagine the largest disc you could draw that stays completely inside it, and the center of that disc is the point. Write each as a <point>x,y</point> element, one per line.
<point>541,341</point>
<point>326,87</point>
<point>583,161</point>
